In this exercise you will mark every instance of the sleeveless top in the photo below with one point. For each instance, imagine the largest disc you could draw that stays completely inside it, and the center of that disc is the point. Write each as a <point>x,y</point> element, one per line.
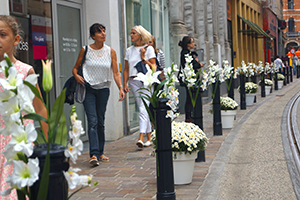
<point>97,70</point>
<point>5,171</point>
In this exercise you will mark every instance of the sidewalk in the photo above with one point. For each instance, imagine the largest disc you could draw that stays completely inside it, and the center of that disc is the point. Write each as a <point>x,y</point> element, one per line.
<point>131,172</point>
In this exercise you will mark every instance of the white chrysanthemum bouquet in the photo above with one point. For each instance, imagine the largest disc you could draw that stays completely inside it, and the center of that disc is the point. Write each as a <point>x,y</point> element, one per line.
<point>228,103</point>
<point>186,138</point>
<point>250,87</point>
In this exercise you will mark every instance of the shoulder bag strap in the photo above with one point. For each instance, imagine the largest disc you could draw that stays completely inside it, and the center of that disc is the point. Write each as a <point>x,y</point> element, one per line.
<point>83,60</point>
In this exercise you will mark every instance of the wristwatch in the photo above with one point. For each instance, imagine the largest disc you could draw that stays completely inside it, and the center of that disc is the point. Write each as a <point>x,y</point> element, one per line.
<point>143,59</point>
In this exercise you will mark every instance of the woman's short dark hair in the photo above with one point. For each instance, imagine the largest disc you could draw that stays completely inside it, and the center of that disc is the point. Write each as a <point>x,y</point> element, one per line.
<point>96,27</point>
<point>185,41</point>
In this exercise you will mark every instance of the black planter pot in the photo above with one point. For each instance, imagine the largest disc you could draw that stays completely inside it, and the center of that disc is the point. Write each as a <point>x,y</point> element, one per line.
<point>58,186</point>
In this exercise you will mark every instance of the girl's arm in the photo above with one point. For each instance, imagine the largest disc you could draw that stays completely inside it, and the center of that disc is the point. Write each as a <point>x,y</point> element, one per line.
<point>40,107</point>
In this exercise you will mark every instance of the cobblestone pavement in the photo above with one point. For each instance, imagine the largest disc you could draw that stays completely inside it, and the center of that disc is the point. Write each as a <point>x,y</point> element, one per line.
<point>131,172</point>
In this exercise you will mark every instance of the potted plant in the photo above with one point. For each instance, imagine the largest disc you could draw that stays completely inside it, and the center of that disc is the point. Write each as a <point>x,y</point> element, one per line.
<point>187,140</point>
<point>268,85</point>
<point>228,111</point>
<point>30,153</point>
<point>280,79</point>
<point>250,90</point>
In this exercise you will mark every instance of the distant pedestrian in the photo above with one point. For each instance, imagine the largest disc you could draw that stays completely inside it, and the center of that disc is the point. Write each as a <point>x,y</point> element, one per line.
<point>294,61</point>
<point>140,51</point>
<point>278,62</point>
<point>187,44</point>
<point>160,56</point>
<point>99,69</point>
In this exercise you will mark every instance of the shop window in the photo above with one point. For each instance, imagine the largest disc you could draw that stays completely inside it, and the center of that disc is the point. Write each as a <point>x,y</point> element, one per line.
<point>290,4</point>
<point>291,25</point>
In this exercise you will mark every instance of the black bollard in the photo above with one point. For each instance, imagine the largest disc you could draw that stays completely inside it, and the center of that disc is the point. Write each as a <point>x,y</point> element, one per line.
<point>276,81</point>
<point>271,75</point>
<point>291,73</point>
<point>297,68</point>
<point>283,73</point>
<point>242,92</point>
<point>164,167</point>
<point>253,79</point>
<point>217,124</point>
<point>231,88</point>
<point>262,84</point>
<point>198,119</point>
<point>287,74</point>
<point>58,186</point>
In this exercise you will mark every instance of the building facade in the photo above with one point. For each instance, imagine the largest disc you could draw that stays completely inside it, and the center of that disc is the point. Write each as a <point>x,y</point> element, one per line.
<point>291,16</point>
<point>57,29</point>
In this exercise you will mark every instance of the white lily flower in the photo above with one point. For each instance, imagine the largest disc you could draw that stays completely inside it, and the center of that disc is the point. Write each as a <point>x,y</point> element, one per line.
<point>25,174</point>
<point>10,154</point>
<point>13,80</point>
<point>149,78</point>
<point>5,95</point>
<point>73,151</point>
<point>85,179</point>
<point>72,177</point>
<point>23,139</point>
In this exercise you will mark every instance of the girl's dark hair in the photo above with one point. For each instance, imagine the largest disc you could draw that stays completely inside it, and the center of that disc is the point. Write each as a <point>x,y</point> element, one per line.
<point>96,28</point>
<point>184,42</point>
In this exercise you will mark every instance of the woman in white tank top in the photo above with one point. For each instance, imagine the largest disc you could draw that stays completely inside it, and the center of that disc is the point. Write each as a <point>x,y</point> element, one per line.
<point>98,70</point>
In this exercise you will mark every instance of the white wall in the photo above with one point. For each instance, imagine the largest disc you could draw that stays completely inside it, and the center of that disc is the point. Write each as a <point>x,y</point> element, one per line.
<point>4,8</point>
<point>106,12</point>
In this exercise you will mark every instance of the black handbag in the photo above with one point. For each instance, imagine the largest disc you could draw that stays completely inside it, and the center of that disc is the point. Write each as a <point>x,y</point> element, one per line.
<point>72,86</point>
<point>140,66</point>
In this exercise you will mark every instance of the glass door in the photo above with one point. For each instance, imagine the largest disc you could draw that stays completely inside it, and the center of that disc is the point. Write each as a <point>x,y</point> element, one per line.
<point>69,40</point>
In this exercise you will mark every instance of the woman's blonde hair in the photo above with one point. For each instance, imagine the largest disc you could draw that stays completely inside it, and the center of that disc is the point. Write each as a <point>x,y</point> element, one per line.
<point>146,36</point>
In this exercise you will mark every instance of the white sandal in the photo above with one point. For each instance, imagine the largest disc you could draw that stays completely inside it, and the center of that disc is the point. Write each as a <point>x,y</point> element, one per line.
<point>140,144</point>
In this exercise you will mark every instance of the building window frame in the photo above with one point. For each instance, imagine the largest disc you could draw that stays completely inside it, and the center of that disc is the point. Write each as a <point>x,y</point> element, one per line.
<point>290,4</point>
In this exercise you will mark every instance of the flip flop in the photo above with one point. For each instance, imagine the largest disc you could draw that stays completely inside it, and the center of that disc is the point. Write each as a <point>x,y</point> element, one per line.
<point>103,158</point>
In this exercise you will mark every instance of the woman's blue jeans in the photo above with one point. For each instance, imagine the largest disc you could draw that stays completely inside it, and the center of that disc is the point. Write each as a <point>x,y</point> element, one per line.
<point>95,106</point>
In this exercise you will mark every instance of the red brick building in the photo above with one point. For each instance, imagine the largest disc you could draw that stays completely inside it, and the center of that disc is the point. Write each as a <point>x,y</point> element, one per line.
<point>291,15</point>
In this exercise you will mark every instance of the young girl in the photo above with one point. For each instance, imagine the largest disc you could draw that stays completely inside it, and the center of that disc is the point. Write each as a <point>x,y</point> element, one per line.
<point>9,39</point>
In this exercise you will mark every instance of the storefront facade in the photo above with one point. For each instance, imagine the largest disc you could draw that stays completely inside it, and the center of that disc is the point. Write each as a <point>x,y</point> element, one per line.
<point>58,29</point>
<point>247,33</point>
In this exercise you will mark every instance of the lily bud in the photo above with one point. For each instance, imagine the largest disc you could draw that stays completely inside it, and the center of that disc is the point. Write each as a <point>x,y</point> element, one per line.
<point>47,76</point>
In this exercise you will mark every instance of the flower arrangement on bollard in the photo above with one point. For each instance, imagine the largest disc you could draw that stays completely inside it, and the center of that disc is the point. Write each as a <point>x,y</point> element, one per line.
<point>164,99</point>
<point>250,90</point>
<point>280,79</point>
<point>268,84</point>
<point>16,106</point>
<point>187,140</point>
<point>228,111</point>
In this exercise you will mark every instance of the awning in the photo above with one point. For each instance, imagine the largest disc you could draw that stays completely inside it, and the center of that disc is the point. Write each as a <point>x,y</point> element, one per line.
<point>255,31</point>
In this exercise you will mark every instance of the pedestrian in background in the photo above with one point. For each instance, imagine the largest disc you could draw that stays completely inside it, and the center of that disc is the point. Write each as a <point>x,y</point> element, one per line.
<point>294,62</point>
<point>187,44</point>
<point>99,68</point>
<point>9,39</point>
<point>140,51</point>
<point>278,62</point>
<point>160,56</point>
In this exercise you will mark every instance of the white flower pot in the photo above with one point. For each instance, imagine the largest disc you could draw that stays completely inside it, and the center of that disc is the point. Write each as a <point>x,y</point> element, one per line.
<point>250,99</point>
<point>280,84</point>
<point>227,118</point>
<point>267,90</point>
<point>183,167</point>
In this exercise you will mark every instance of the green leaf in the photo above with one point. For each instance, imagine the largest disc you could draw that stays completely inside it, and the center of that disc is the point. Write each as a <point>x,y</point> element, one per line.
<point>149,112</point>
<point>35,117</point>
<point>44,183</point>
<point>34,90</point>
<point>62,132</point>
<point>57,110</point>
<point>40,138</point>
<point>21,195</point>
